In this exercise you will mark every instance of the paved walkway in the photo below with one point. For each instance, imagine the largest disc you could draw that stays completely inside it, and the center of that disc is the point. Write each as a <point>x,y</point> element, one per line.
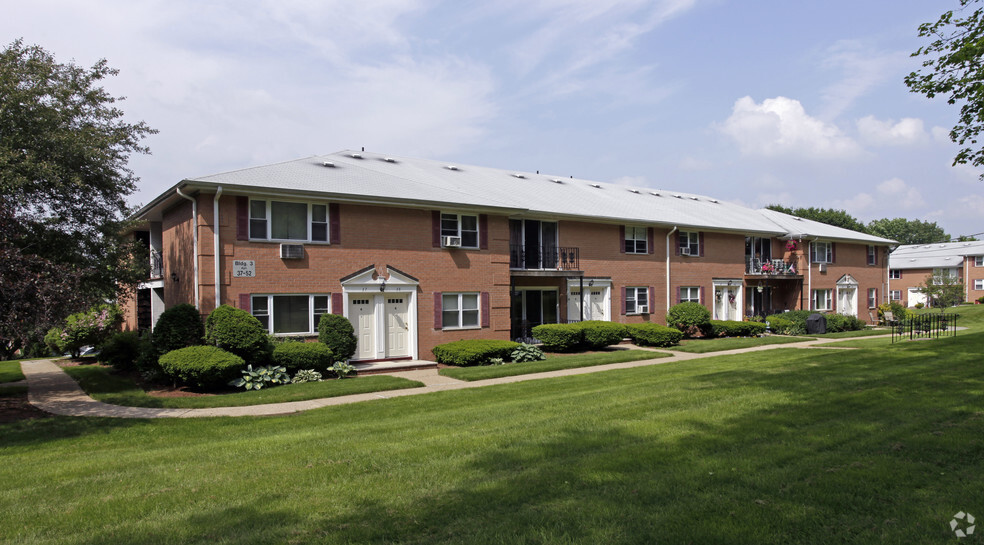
<point>52,390</point>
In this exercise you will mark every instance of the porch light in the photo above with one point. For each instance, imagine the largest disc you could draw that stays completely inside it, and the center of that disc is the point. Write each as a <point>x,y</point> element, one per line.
<point>760,288</point>
<point>382,286</point>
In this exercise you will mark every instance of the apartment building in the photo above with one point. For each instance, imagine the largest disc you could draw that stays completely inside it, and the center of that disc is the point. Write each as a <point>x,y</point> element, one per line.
<point>912,264</point>
<point>418,252</point>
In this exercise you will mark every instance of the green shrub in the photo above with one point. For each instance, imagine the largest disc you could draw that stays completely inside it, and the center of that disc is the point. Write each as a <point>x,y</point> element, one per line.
<point>559,337</point>
<point>122,350</point>
<point>781,325</point>
<point>257,379</point>
<point>54,341</point>
<point>840,322</point>
<point>89,328</point>
<point>205,367</point>
<point>338,334</point>
<point>342,369</point>
<point>473,352</point>
<point>899,312</point>
<point>598,334</point>
<point>690,318</point>
<point>296,356</point>
<point>239,332</point>
<point>178,327</point>
<point>649,334</point>
<point>523,353</point>
<point>734,328</point>
<point>919,305</point>
<point>306,375</point>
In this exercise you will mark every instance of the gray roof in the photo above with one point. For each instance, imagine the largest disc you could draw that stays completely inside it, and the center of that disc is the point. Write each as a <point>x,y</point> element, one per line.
<point>797,227</point>
<point>370,177</point>
<point>928,256</point>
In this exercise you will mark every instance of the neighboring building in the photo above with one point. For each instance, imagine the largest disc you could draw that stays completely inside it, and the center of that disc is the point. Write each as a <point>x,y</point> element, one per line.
<point>910,265</point>
<point>418,253</point>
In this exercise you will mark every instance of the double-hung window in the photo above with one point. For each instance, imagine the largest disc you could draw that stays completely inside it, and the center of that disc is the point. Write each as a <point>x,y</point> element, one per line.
<point>821,300</point>
<point>979,260</point>
<point>460,225</point>
<point>637,300</point>
<point>895,295</point>
<point>636,240</point>
<point>872,297</point>
<point>690,294</point>
<point>689,243</point>
<point>459,310</point>
<point>289,313</point>
<point>979,284</point>
<point>895,274</point>
<point>283,220</point>
<point>872,255</point>
<point>822,252</point>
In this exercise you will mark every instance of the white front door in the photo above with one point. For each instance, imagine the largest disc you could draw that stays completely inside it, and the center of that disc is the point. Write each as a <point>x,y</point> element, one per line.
<point>916,297</point>
<point>597,305</point>
<point>397,328</point>
<point>847,301</point>
<point>362,314</point>
<point>726,302</point>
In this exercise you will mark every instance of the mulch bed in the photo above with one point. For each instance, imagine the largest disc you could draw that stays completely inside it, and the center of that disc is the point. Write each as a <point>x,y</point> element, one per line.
<point>14,407</point>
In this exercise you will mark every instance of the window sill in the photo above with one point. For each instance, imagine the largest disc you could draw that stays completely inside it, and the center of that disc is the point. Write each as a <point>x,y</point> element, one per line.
<point>469,328</point>
<point>287,241</point>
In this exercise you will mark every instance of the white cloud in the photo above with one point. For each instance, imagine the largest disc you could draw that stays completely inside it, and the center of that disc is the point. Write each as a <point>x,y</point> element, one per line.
<point>863,68</point>
<point>890,197</point>
<point>886,133</point>
<point>781,127</point>
<point>941,134</point>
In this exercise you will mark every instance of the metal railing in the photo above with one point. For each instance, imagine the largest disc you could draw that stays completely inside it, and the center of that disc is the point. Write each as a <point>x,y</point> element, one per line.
<point>776,267</point>
<point>924,326</point>
<point>156,265</point>
<point>557,258</point>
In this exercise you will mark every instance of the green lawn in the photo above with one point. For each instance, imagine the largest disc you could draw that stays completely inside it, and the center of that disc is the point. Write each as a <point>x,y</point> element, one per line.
<point>552,363</point>
<point>10,371</point>
<point>850,334</point>
<point>100,383</point>
<point>785,446</point>
<point>702,346</point>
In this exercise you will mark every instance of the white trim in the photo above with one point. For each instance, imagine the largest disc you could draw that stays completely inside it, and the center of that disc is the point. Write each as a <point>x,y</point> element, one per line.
<point>370,283</point>
<point>599,283</point>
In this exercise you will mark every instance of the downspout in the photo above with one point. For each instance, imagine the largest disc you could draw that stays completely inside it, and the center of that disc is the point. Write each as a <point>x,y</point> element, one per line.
<point>809,275</point>
<point>194,238</point>
<point>216,248</point>
<point>668,235</point>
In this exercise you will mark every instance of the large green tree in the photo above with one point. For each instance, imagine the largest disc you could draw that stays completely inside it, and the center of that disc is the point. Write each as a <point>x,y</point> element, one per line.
<point>830,216</point>
<point>953,69</point>
<point>64,180</point>
<point>908,231</point>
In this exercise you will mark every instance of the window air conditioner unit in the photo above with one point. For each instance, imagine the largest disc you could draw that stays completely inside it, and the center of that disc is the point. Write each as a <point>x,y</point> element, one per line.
<point>451,242</point>
<point>823,267</point>
<point>291,251</point>
<point>685,251</point>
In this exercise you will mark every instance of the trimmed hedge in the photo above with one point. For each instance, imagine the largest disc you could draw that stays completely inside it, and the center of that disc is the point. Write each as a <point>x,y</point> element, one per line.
<point>781,325</point>
<point>473,351</point>
<point>690,318</point>
<point>840,322</point>
<point>337,333</point>
<point>654,335</point>
<point>296,356</point>
<point>122,350</point>
<point>598,334</point>
<point>178,327</point>
<point>239,332</point>
<point>734,328</point>
<point>589,335</point>
<point>205,367</point>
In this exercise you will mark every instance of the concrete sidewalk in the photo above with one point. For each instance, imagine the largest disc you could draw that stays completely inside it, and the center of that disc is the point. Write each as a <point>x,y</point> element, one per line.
<point>52,390</point>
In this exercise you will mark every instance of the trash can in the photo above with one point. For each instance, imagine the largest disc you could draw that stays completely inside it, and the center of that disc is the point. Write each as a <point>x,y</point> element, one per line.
<point>816,323</point>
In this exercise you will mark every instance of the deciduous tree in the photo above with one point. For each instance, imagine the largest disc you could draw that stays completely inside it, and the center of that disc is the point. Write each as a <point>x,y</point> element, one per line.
<point>908,231</point>
<point>830,216</point>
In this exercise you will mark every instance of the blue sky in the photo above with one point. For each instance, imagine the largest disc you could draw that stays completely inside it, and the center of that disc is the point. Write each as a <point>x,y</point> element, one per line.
<point>800,103</point>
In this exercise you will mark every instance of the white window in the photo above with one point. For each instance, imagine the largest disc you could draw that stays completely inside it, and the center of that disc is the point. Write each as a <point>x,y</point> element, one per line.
<point>821,300</point>
<point>895,295</point>
<point>689,243</point>
<point>872,255</point>
<point>895,274</point>
<point>939,273</point>
<point>637,300</point>
<point>281,220</point>
<point>979,284</point>
<point>636,240</point>
<point>459,225</point>
<point>979,260</point>
<point>690,294</point>
<point>872,297</point>
<point>289,313</point>
<point>822,252</point>
<point>459,310</point>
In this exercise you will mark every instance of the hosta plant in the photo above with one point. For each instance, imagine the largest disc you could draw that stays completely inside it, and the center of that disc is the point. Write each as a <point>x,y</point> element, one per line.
<point>306,375</point>
<point>342,369</point>
<point>255,379</point>
<point>527,352</point>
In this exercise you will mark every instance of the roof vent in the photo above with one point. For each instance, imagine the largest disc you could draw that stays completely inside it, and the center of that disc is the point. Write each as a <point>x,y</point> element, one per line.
<point>654,194</point>
<point>355,155</point>
<point>678,196</point>
<point>557,181</point>
<point>328,164</point>
<point>389,160</point>
<point>636,191</point>
<point>520,176</point>
<point>694,198</point>
<point>451,167</point>
<point>596,185</point>
<point>715,201</point>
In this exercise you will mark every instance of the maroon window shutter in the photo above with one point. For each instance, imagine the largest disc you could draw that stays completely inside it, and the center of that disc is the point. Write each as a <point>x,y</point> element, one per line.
<point>700,245</point>
<point>483,231</point>
<point>700,291</point>
<point>652,299</point>
<point>486,311</point>
<point>437,310</point>
<point>337,307</point>
<point>677,239</point>
<point>334,224</point>
<point>245,302</point>
<point>679,294</point>
<point>650,240</point>
<point>436,228</point>
<point>833,252</point>
<point>624,295</point>
<point>833,300</point>
<point>242,218</point>
<point>621,239</point>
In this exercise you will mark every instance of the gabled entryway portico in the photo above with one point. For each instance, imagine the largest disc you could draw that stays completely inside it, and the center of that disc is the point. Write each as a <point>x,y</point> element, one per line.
<point>847,296</point>
<point>383,311</point>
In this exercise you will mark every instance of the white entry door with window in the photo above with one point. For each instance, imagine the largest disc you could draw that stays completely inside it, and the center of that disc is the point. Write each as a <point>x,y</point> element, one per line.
<point>362,314</point>
<point>397,328</point>
<point>597,300</point>
<point>727,299</point>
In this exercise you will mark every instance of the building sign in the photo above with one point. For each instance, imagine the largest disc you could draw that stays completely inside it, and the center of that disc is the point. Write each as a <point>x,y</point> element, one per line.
<point>243,268</point>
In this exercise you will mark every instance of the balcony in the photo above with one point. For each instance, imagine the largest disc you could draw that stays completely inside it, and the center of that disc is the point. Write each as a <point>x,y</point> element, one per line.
<point>770,267</point>
<point>156,265</point>
<point>543,258</point>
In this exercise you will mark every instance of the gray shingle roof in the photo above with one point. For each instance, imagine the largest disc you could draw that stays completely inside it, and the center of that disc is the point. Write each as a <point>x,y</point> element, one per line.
<point>928,256</point>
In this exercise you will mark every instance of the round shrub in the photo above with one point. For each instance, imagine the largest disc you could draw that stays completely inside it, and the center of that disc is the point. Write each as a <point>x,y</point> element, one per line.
<point>204,367</point>
<point>690,318</point>
<point>473,351</point>
<point>296,356</point>
<point>598,334</point>
<point>338,335</point>
<point>123,349</point>
<point>178,327</point>
<point>840,322</point>
<point>781,325</point>
<point>559,337</point>
<point>649,334</point>
<point>239,332</point>
<point>735,328</point>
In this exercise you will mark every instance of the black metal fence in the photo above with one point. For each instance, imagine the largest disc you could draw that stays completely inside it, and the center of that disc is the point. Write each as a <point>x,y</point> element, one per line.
<point>924,326</point>
<point>544,257</point>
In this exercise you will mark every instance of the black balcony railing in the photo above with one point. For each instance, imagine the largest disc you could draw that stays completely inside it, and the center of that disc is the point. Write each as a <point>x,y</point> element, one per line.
<point>770,267</point>
<point>156,265</point>
<point>549,258</point>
